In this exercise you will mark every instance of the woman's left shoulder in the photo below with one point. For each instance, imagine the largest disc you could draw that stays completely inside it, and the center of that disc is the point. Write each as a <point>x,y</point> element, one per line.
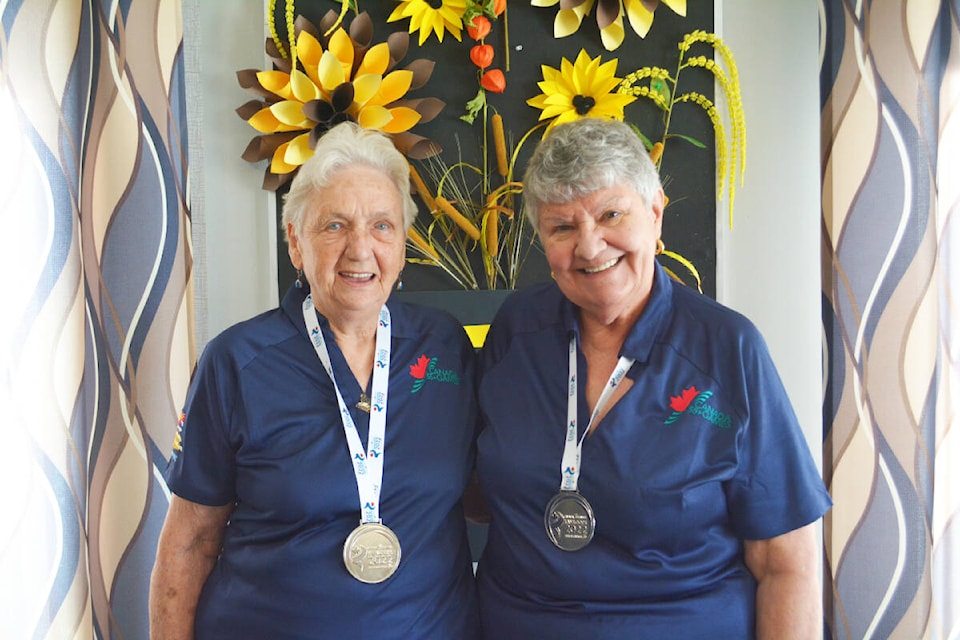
<point>695,311</point>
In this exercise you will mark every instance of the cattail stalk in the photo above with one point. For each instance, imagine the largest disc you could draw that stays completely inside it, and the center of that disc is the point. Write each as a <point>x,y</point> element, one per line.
<point>493,217</point>
<point>422,244</point>
<point>422,190</point>
<point>461,221</point>
<point>499,143</point>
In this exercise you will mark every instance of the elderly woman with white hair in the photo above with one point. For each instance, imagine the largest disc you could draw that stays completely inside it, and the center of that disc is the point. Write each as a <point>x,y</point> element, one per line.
<point>324,446</point>
<point>645,473</point>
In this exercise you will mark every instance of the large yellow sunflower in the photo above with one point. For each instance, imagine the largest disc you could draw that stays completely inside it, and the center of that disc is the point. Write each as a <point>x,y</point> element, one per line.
<point>423,16</point>
<point>609,16</point>
<point>330,85</point>
<point>580,90</point>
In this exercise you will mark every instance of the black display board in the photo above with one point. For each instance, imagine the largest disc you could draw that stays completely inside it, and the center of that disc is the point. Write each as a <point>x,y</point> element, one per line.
<point>688,172</point>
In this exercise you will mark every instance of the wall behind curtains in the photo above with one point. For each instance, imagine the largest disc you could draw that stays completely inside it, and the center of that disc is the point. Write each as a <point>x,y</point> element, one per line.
<point>96,326</point>
<point>891,273</point>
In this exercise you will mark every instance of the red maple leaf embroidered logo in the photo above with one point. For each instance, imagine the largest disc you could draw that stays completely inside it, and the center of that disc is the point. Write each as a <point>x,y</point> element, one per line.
<point>419,370</point>
<point>681,402</point>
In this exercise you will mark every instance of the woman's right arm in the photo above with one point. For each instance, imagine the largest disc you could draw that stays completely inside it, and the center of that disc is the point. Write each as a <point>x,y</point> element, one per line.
<point>188,548</point>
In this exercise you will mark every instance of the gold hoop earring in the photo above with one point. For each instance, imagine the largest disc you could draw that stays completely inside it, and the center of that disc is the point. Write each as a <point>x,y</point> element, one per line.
<point>660,247</point>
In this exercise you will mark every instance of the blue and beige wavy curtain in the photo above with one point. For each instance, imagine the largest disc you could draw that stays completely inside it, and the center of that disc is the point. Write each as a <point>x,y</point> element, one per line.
<point>96,326</point>
<point>891,245</point>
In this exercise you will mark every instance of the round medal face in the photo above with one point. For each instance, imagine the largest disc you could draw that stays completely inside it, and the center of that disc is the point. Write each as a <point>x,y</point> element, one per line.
<point>569,521</point>
<point>371,553</point>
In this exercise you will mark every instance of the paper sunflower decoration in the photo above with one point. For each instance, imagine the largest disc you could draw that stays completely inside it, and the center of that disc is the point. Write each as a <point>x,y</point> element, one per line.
<point>425,17</point>
<point>579,90</point>
<point>609,16</point>
<point>330,80</point>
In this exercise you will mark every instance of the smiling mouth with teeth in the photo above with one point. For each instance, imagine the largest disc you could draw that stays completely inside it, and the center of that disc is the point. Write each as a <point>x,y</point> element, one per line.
<point>602,267</point>
<point>357,276</point>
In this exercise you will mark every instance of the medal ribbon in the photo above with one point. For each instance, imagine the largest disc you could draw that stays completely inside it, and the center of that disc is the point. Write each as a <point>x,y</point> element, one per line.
<point>570,465</point>
<point>367,465</point>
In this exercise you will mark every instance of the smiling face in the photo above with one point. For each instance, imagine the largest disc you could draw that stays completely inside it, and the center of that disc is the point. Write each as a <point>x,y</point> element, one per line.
<point>601,250</point>
<point>352,244</point>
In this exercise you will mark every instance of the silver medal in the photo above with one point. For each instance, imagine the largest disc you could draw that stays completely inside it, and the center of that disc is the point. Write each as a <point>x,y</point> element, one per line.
<point>371,553</point>
<point>569,521</point>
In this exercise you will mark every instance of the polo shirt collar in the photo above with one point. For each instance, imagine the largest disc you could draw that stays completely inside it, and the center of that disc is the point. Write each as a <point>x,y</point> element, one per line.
<point>292,305</point>
<point>648,327</point>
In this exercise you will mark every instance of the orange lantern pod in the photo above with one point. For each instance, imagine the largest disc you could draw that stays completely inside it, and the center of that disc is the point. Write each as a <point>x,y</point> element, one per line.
<point>482,55</point>
<point>479,28</point>
<point>494,81</point>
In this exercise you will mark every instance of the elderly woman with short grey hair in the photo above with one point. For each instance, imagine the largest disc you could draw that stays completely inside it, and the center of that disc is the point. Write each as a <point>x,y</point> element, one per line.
<point>324,446</point>
<point>645,473</point>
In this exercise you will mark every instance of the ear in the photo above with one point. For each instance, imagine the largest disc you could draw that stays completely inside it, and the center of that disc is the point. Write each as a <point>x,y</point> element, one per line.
<point>657,204</point>
<point>293,247</point>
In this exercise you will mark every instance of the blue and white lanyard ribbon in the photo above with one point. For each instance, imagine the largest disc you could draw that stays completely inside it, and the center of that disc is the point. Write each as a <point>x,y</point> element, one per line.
<point>570,465</point>
<point>367,465</point>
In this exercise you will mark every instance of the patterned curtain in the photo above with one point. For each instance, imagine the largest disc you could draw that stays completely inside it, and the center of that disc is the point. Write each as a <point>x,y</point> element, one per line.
<point>96,315</point>
<point>890,89</point>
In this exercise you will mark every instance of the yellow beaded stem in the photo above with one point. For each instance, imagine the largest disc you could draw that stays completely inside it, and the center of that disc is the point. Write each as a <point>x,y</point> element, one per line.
<point>291,36</point>
<point>344,6</point>
<point>272,24</point>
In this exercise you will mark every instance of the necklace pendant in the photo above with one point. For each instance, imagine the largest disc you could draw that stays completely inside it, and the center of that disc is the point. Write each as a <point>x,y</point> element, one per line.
<point>364,403</point>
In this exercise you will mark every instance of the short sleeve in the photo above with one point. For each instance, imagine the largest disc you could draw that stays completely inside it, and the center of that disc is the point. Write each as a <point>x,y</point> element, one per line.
<point>777,487</point>
<point>203,470</point>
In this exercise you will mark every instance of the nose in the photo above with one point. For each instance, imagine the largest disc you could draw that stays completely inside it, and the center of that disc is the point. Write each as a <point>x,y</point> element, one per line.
<point>359,243</point>
<point>590,242</point>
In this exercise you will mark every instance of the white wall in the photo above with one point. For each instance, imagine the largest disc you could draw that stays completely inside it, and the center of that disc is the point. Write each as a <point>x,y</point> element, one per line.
<point>234,228</point>
<point>768,265</point>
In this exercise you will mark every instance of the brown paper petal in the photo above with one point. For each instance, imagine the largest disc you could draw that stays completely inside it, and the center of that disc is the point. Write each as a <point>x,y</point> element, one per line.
<point>262,147</point>
<point>607,12</point>
<point>248,109</point>
<point>281,63</point>
<point>328,20</point>
<point>650,5</point>
<point>428,108</point>
<point>398,42</point>
<point>342,97</point>
<point>247,79</point>
<point>272,181</point>
<point>422,70</point>
<point>302,24</point>
<point>361,30</point>
<point>318,110</point>
<point>414,146</point>
<point>358,53</point>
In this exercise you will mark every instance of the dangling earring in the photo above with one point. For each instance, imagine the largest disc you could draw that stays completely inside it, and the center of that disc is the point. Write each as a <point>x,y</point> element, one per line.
<point>299,283</point>
<point>400,281</point>
<point>660,247</point>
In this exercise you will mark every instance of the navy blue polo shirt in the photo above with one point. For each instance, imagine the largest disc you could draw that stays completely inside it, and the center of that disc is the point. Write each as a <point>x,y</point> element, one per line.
<point>262,429</point>
<point>703,451</point>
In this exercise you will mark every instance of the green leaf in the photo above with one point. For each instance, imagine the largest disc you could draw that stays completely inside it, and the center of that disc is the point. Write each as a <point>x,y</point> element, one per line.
<point>660,87</point>
<point>646,141</point>
<point>692,141</point>
<point>474,106</point>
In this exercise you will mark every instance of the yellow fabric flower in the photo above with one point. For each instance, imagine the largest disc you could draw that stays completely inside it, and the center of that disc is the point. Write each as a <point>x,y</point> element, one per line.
<point>578,90</point>
<point>423,16</point>
<point>609,17</point>
<point>323,90</point>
